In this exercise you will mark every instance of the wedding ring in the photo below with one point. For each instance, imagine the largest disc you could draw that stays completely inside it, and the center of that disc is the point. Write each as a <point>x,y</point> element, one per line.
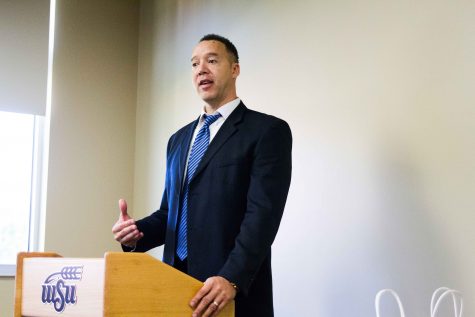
<point>215,304</point>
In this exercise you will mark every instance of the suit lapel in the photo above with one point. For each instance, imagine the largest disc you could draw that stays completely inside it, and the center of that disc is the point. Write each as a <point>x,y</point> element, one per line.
<point>224,133</point>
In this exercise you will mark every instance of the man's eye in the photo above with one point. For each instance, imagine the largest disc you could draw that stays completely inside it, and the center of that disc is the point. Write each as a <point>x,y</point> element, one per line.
<point>194,64</point>
<point>212,61</point>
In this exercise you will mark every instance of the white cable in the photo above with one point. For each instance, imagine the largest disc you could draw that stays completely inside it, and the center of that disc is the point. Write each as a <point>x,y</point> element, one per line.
<point>395,295</point>
<point>435,297</point>
<point>456,298</point>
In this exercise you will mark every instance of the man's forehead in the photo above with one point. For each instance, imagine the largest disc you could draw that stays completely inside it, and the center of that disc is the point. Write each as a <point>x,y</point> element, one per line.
<point>207,48</point>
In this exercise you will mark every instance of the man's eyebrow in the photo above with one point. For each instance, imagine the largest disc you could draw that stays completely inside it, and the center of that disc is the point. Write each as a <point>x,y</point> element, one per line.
<point>207,55</point>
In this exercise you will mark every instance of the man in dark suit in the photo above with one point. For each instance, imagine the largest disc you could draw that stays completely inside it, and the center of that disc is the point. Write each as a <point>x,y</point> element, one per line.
<point>228,175</point>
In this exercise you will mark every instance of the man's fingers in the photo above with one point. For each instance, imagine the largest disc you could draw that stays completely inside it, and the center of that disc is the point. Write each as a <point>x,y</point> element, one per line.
<point>216,306</point>
<point>121,225</point>
<point>206,305</point>
<point>123,209</point>
<point>212,297</point>
<point>202,299</point>
<point>219,308</point>
<point>120,234</point>
<point>131,239</point>
<point>213,309</point>
<point>201,293</point>
<point>127,232</point>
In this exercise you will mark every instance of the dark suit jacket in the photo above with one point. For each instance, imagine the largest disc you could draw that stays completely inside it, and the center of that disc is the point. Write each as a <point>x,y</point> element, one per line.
<point>236,200</point>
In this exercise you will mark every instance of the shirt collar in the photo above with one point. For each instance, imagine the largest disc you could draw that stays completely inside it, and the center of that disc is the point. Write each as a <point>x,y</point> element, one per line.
<point>225,110</point>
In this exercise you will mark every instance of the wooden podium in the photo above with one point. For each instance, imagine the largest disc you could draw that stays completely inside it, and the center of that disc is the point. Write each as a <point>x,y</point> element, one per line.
<point>120,284</point>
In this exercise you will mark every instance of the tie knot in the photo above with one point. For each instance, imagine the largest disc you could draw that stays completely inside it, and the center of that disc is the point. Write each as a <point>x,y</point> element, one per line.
<point>210,119</point>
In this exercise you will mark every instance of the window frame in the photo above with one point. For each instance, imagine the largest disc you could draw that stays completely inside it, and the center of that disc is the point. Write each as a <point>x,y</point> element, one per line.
<point>36,217</point>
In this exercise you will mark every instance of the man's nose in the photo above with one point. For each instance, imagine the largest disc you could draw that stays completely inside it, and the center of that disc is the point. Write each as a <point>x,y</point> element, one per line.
<point>202,69</point>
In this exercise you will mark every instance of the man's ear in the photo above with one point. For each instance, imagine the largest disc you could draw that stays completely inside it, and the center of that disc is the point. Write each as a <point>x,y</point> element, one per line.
<point>236,70</point>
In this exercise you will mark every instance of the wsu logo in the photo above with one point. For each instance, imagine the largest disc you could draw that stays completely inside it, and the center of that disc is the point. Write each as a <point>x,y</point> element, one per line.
<point>59,288</point>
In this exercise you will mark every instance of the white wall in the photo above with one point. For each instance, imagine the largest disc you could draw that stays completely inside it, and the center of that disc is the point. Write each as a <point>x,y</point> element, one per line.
<point>92,124</point>
<point>379,95</point>
<point>92,131</point>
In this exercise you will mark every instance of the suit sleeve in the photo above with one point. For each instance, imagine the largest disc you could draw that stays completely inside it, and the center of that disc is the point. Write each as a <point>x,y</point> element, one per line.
<point>267,194</point>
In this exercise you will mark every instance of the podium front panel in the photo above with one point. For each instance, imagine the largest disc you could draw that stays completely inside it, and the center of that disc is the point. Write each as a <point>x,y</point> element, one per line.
<point>63,287</point>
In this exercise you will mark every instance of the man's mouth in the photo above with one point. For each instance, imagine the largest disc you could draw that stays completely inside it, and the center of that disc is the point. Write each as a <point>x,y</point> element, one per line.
<point>205,83</point>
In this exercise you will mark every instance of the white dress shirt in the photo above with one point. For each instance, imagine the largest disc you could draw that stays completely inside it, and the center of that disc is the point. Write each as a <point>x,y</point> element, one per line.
<point>225,112</point>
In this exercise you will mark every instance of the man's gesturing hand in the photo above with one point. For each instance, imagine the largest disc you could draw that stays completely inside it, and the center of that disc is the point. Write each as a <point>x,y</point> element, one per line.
<point>125,231</point>
<point>212,297</point>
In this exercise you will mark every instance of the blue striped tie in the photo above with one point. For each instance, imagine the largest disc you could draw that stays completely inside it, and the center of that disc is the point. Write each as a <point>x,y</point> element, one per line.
<point>197,151</point>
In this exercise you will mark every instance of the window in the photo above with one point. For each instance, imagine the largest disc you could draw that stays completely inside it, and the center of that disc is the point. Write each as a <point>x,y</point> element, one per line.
<point>19,138</point>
